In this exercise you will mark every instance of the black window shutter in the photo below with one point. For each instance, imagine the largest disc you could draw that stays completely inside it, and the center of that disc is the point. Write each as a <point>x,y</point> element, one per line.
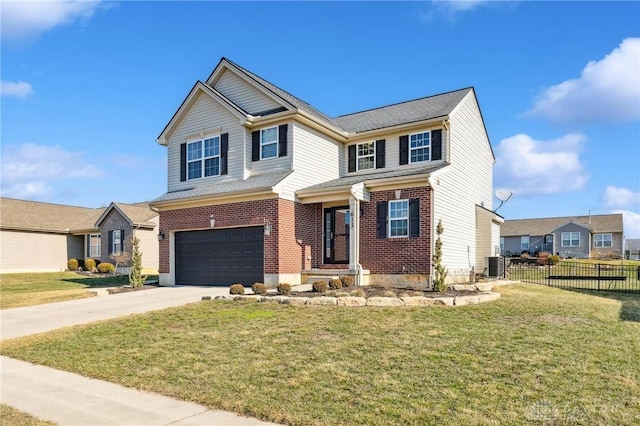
<point>380,151</point>
<point>282,140</point>
<point>381,218</point>
<point>414,217</point>
<point>183,163</point>
<point>436,145</point>
<point>352,158</point>
<point>404,149</point>
<point>255,145</point>
<point>224,148</point>
<point>110,248</point>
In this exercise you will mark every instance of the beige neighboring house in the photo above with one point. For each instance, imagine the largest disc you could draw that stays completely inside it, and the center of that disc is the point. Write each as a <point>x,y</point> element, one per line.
<point>42,237</point>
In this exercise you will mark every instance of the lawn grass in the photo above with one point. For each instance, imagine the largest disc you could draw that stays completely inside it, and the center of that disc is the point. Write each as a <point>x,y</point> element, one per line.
<point>11,417</point>
<point>538,355</point>
<point>18,290</point>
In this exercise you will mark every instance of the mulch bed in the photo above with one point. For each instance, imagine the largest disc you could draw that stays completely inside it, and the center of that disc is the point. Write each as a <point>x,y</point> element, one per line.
<point>387,291</point>
<point>126,289</point>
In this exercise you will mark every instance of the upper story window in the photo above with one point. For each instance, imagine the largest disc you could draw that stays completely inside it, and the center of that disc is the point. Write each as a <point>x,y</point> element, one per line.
<point>94,245</point>
<point>570,239</point>
<point>420,147</point>
<point>269,143</point>
<point>524,242</point>
<point>203,158</point>
<point>603,240</point>
<point>366,155</point>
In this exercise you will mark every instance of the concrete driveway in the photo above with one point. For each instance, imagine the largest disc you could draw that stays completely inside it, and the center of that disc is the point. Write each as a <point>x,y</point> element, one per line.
<point>70,399</point>
<point>20,322</point>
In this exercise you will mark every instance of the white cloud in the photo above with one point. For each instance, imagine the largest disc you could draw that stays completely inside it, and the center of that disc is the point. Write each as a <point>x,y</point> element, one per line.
<point>18,89</point>
<point>27,19</point>
<point>460,5</point>
<point>607,91</point>
<point>28,170</point>
<point>621,198</point>
<point>527,166</point>
<point>631,222</point>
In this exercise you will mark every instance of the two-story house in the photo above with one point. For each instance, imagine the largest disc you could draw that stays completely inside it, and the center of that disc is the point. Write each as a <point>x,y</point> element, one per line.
<point>264,187</point>
<point>571,236</point>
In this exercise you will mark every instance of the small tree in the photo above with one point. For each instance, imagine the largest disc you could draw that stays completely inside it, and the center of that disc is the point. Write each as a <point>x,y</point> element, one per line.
<point>123,257</point>
<point>440,276</point>
<point>136,279</point>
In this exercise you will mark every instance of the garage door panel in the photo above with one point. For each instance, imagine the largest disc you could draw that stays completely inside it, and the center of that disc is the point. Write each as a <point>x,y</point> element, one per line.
<point>220,256</point>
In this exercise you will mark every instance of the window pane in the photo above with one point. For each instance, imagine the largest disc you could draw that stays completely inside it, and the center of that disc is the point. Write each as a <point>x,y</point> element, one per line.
<point>365,163</point>
<point>399,228</point>
<point>194,151</point>
<point>365,149</point>
<point>212,147</point>
<point>269,135</point>
<point>420,140</point>
<point>269,151</point>
<point>399,209</point>
<point>195,170</point>
<point>421,154</point>
<point>212,166</point>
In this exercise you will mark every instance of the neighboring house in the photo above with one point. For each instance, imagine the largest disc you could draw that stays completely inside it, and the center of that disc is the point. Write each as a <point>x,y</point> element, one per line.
<point>575,236</point>
<point>264,187</point>
<point>632,249</point>
<point>42,237</point>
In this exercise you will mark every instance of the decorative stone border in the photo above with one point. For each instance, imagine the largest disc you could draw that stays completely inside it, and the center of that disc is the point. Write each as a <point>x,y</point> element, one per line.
<point>371,301</point>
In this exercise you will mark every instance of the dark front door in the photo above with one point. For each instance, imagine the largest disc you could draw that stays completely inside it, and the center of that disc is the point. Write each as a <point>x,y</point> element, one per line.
<point>337,221</point>
<point>220,256</point>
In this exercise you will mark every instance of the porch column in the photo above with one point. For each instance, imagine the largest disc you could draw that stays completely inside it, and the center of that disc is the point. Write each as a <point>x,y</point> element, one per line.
<point>354,233</point>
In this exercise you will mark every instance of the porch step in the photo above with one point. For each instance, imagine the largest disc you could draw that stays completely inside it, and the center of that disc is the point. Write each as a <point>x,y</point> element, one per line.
<point>312,275</point>
<point>314,278</point>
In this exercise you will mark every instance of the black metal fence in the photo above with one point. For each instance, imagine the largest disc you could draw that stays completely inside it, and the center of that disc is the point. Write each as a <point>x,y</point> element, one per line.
<point>575,275</point>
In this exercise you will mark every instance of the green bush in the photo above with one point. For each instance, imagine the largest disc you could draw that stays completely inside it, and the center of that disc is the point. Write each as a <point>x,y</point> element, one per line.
<point>284,289</point>
<point>106,268</point>
<point>259,288</point>
<point>319,286</point>
<point>89,264</point>
<point>335,283</point>
<point>236,289</point>
<point>347,281</point>
<point>73,265</point>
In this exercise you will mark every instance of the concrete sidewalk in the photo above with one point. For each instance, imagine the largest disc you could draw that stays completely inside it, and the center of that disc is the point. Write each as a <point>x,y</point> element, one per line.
<point>71,399</point>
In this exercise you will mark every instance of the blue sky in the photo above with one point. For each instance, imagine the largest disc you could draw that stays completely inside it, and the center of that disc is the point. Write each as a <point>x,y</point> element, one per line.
<point>88,86</point>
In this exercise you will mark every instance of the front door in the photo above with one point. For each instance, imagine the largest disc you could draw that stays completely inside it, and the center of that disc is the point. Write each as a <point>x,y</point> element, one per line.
<point>336,235</point>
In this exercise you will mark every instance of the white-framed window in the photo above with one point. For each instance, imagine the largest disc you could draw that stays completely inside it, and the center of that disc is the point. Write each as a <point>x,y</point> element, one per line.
<point>203,158</point>
<point>603,240</point>
<point>570,239</point>
<point>366,155</point>
<point>524,242</point>
<point>116,241</point>
<point>399,218</point>
<point>269,143</point>
<point>94,245</point>
<point>420,147</point>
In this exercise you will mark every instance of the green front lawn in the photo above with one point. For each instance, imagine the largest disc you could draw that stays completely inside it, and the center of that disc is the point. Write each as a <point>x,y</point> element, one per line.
<point>18,290</point>
<point>538,355</point>
<point>11,417</point>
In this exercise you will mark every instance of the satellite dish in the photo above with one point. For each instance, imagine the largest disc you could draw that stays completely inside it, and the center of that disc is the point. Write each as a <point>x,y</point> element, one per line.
<point>503,195</point>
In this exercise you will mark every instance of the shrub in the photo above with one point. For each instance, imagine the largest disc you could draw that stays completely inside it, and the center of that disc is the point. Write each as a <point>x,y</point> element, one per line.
<point>284,289</point>
<point>319,286</point>
<point>525,255</point>
<point>259,288</point>
<point>89,264</point>
<point>388,293</point>
<point>236,289</point>
<point>553,259</point>
<point>106,268</point>
<point>335,283</point>
<point>347,281</point>
<point>543,258</point>
<point>73,265</point>
<point>358,292</point>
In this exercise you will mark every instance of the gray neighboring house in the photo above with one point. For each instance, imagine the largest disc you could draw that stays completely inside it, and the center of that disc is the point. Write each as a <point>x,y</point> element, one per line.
<point>42,237</point>
<point>573,236</point>
<point>632,249</point>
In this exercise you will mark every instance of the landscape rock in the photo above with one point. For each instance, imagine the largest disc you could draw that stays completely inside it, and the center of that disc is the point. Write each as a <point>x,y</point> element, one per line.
<point>484,286</point>
<point>444,301</point>
<point>463,287</point>
<point>322,300</point>
<point>352,301</point>
<point>418,301</point>
<point>298,300</point>
<point>384,301</point>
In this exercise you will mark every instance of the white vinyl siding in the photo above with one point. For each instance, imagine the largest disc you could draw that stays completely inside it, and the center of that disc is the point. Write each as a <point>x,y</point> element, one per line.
<point>206,115</point>
<point>18,251</point>
<point>271,164</point>
<point>312,149</point>
<point>244,94</point>
<point>458,188</point>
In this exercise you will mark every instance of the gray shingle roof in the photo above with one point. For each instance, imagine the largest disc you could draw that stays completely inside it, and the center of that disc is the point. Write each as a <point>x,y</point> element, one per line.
<point>253,183</point>
<point>544,226</point>
<point>402,113</point>
<point>34,215</point>
<point>351,180</point>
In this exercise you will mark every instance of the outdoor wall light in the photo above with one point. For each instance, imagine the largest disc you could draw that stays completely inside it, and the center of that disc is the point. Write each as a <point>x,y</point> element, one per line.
<point>267,227</point>
<point>160,235</point>
<point>212,221</point>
